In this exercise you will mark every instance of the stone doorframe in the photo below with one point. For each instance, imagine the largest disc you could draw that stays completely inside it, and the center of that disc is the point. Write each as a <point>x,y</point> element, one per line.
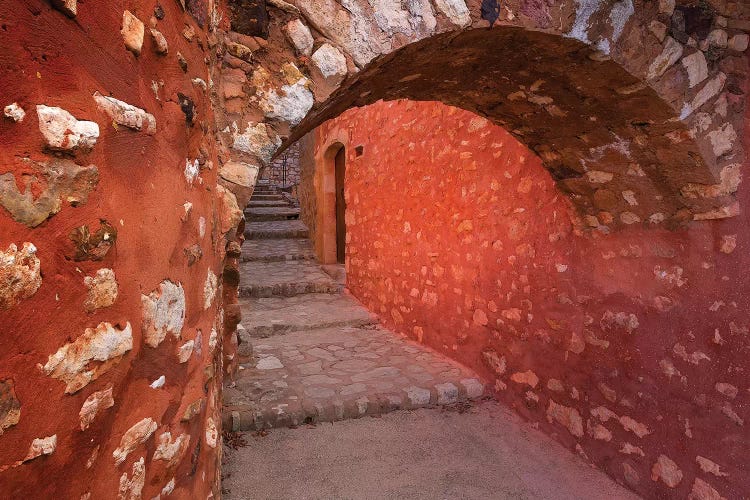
<point>324,238</point>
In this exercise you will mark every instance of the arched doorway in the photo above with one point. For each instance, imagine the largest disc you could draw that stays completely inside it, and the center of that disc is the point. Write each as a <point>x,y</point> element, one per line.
<point>339,167</point>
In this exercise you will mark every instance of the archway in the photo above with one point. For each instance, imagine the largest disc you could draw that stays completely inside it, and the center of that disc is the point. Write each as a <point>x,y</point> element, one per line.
<point>632,130</point>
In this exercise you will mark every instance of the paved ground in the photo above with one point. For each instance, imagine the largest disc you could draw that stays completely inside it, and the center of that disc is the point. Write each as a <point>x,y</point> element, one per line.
<point>277,250</point>
<point>286,278</point>
<point>343,372</point>
<point>484,453</point>
<point>263,317</point>
<point>273,213</point>
<point>276,229</point>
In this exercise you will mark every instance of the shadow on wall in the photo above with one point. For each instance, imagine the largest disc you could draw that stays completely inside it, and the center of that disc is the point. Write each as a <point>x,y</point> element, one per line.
<point>630,348</point>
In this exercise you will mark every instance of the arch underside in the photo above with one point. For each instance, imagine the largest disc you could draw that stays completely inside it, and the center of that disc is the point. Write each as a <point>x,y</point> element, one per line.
<point>609,140</point>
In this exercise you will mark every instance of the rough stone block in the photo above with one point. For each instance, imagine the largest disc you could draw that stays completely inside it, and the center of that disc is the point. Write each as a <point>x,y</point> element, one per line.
<point>132,32</point>
<point>63,132</point>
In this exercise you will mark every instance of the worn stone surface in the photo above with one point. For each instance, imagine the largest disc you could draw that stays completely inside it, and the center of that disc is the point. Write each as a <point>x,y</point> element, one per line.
<point>276,230</point>
<point>266,279</point>
<point>277,250</point>
<point>422,454</point>
<point>272,315</point>
<point>342,372</point>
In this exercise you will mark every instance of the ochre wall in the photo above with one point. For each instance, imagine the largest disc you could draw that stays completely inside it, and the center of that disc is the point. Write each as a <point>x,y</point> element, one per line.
<point>630,348</point>
<point>168,227</point>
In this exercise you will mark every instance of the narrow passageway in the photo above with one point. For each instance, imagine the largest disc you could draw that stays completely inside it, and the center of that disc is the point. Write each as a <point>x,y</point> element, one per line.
<point>317,353</point>
<point>316,366</point>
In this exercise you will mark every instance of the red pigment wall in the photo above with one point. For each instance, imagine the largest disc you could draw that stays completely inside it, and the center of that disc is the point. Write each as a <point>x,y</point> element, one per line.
<point>112,434</point>
<point>629,348</point>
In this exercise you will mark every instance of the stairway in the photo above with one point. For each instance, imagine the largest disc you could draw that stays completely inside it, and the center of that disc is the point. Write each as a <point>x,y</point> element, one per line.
<point>310,352</point>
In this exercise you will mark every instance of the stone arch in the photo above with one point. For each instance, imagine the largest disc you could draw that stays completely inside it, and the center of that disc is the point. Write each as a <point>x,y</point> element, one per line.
<point>637,127</point>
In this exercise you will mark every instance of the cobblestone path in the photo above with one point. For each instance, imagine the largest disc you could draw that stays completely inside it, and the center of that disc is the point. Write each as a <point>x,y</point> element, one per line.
<point>309,351</point>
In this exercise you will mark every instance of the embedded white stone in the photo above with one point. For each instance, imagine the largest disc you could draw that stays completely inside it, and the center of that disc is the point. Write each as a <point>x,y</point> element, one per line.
<point>212,435</point>
<point>290,104</point>
<point>126,114</point>
<point>586,9</point>
<point>41,446</point>
<point>669,56</point>
<point>185,351</point>
<point>136,435</point>
<point>209,289</point>
<point>68,7</point>
<point>159,382</point>
<point>455,10</point>
<point>256,140</point>
<point>739,42</point>
<point>723,139</point>
<point>100,400</point>
<point>240,173</point>
<point>300,36</point>
<point>330,63</point>
<point>20,275</point>
<point>14,112</point>
<point>62,131</point>
<point>163,312</point>
<point>696,67</point>
<point>132,32</point>
<point>201,226</point>
<point>192,169</point>
<point>710,90</point>
<point>72,363</point>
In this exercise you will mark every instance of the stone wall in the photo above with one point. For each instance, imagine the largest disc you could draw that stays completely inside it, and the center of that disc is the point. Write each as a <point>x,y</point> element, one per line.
<point>629,348</point>
<point>289,161</point>
<point>112,236</point>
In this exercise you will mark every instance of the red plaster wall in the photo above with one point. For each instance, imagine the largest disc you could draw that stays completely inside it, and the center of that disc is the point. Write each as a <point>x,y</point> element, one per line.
<point>48,58</point>
<point>459,238</point>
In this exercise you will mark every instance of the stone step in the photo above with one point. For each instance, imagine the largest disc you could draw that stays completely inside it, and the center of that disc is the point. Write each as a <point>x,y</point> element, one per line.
<point>268,230</point>
<point>284,279</point>
<point>278,250</point>
<point>269,316</point>
<point>267,203</point>
<point>332,374</point>
<point>271,213</point>
<point>266,197</point>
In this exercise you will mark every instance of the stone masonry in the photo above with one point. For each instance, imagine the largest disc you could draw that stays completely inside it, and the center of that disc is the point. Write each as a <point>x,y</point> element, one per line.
<point>310,352</point>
